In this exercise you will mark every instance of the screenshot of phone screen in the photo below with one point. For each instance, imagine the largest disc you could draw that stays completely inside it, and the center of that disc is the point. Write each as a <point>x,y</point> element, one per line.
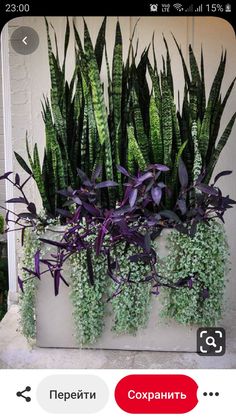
<point>117,210</point>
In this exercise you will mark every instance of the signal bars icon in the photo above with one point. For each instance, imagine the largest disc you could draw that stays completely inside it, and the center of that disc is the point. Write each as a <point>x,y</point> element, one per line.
<point>199,9</point>
<point>189,9</point>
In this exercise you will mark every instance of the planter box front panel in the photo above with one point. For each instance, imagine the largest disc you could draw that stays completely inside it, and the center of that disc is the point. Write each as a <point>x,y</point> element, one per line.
<point>55,326</point>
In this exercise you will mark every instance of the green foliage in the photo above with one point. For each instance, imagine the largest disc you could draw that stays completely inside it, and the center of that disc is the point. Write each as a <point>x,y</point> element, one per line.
<point>1,224</point>
<point>88,301</point>
<point>27,299</point>
<point>131,307</point>
<point>206,255</point>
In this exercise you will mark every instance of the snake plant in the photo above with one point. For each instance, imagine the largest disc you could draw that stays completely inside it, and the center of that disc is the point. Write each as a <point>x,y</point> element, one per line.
<point>132,122</point>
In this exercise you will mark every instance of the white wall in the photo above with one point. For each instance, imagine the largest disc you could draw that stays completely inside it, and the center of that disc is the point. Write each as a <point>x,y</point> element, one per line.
<point>30,80</point>
<point>2,162</point>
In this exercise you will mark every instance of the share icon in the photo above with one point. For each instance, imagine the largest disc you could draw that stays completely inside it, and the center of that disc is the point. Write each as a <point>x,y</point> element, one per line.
<point>21,394</point>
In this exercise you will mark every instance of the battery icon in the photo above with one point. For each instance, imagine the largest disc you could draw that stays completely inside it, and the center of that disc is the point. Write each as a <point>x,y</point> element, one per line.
<point>228,7</point>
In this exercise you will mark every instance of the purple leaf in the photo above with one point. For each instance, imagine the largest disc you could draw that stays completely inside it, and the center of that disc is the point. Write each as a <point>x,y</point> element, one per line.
<point>224,173</point>
<point>29,271</point>
<point>142,178</point>
<point>193,229</point>
<point>5,176</point>
<point>84,178</point>
<point>143,257</point>
<point>97,172</point>
<point>170,214</point>
<point>106,184</point>
<point>26,215</point>
<point>91,209</point>
<point>156,193</point>
<point>64,192</point>
<point>122,170</point>
<point>205,293</point>
<point>161,185</point>
<point>37,264</point>
<point>190,283</point>
<point>19,200</point>
<point>161,167</point>
<point>99,240</point>
<point>17,179</point>
<point>54,243</point>
<point>65,282</point>
<point>182,205</point>
<point>183,174</point>
<point>32,208</point>
<point>147,242</point>
<point>77,200</point>
<point>63,212</point>
<point>21,283</point>
<point>133,197</point>
<point>181,228</point>
<point>57,275</point>
<point>121,211</point>
<point>209,190</point>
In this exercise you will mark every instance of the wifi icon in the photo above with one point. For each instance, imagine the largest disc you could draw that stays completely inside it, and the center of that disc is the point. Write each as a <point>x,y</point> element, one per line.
<point>178,7</point>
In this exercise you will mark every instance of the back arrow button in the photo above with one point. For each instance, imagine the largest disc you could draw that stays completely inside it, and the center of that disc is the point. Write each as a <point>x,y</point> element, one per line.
<point>24,40</point>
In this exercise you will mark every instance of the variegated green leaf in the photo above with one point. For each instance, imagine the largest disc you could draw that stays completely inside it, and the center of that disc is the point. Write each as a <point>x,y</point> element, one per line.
<point>155,132</point>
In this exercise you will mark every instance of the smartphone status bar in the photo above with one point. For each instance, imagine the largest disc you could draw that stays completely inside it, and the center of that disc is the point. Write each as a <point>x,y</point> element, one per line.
<point>163,8</point>
<point>181,8</point>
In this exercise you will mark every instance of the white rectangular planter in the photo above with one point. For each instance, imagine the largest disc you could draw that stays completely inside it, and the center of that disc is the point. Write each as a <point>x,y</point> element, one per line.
<point>54,325</point>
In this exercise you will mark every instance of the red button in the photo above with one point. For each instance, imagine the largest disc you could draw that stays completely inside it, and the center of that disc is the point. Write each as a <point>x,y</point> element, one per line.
<point>156,393</point>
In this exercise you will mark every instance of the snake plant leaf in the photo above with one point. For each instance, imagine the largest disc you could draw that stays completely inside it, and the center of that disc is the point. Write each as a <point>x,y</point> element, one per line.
<point>166,118</point>
<point>168,68</point>
<point>220,145</point>
<point>139,128</point>
<point>185,69</point>
<point>84,136</point>
<point>183,174</point>
<point>204,137</point>
<point>197,88</point>
<point>197,165</point>
<point>117,70</point>
<point>22,163</point>
<point>176,128</point>
<point>215,125</point>
<point>98,102</point>
<point>134,152</point>
<point>92,134</point>
<point>227,95</point>
<point>110,98</point>
<point>156,86</point>
<point>66,44</point>
<point>195,74</point>
<point>59,166</point>
<point>155,131</point>
<point>38,176</point>
<point>28,152</point>
<point>100,43</point>
<point>203,89</point>
<point>174,174</point>
<point>55,72</point>
<point>142,88</point>
<point>154,53</point>
<point>78,40</point>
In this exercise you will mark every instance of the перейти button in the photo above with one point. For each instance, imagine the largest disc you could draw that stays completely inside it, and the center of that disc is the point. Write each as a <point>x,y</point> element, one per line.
<point>72,394</point>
